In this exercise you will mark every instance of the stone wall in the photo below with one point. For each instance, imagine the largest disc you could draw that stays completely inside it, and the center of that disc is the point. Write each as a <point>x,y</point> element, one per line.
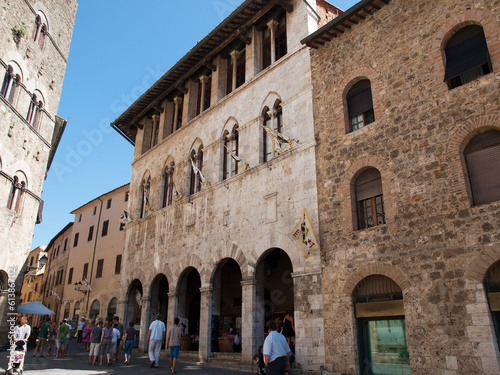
<point>435,244</point>
<point>22,147</point>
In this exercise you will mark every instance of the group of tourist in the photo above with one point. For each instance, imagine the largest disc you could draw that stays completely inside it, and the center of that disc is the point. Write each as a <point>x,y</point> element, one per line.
<point>54,336</point>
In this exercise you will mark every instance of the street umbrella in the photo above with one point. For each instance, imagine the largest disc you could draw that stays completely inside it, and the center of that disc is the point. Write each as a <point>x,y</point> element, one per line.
<point>34,308</point>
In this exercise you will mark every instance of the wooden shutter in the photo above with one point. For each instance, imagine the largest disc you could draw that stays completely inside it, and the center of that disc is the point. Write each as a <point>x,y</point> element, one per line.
<point>368,184</point>
<point>466,50</point>
<point>359,98</point>
<point>482,156</point>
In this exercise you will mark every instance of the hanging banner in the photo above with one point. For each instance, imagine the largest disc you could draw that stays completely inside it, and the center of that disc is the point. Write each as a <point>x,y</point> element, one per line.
<point>304,233</point>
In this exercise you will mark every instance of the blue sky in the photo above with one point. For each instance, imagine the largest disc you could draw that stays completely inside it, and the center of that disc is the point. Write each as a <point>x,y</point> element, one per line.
<point>119,49</point>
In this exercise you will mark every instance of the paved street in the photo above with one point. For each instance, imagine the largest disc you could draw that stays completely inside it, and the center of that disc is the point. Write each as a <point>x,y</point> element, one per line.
<point>76,364</point>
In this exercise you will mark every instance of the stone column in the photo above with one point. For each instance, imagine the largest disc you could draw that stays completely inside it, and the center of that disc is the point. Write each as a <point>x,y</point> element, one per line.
<point>177,107</point>
<point>249,344</point>
<point>203,80</point>
<point>120,311</point>
<point>205,349</point>
<point>144,324</point>
<point>273,26</point>
<point>172,308</point>
<point>167,117</point>
<point>308,319</point>
<point>234,56</point>
<point>219,79</point>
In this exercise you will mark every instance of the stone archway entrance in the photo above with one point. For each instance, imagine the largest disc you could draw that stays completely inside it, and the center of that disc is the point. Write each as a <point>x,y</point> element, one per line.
<point>189,300</point>
<point>274,289</point>
<point>111,309</point>
<point>133,307</point>
<point>95,309</point>
<point>158,300</point>
<point>226,306</point>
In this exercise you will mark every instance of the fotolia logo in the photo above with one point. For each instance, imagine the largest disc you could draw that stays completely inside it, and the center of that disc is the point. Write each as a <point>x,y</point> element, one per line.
<point>225,7</point>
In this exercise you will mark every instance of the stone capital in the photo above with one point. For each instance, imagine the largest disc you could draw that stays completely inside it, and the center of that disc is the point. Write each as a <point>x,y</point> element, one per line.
<point>273,25</point>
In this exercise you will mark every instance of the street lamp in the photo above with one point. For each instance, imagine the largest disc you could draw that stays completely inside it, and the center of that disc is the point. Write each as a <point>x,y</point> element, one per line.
<point>82,287</point>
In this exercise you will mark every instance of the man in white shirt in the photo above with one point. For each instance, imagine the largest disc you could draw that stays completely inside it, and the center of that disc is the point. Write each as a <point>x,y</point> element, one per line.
<point>156,335</point>
<point>22,332</point>
<point>81,326</point>
<point>276,351</point>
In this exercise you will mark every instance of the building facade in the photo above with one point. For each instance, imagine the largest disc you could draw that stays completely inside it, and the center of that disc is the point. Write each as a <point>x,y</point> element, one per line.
<point>33,57</point>
<point>94,264</point>
<point>214,198</point>
<point>407,120</point>
<point>56,268</point>
<point>33,278</point>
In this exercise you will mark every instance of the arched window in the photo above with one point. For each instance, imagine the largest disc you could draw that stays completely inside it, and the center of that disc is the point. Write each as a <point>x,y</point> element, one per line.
<point>360,105</point>
<point>482,159</point>
<point>168,186</point>
<point>492,286</point>
<point>369,199</point>
<point>467,56</point>
<point>273,120</point>
<point>10,84</point>
<point>194,177</point>
<point>40,29</point>
<point>230,153</point>
<point>19,185</point>
<point>34,115</point>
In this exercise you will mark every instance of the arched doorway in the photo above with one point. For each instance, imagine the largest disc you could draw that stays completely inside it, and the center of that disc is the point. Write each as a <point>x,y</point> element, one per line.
<point>274,289</point>
<point>492,287</point>
<point>95,309</point>
<point>226,303</point>
<point>111,309</point>
<point>379,311</point>
<point>189,300</point>
<point>76,311</point>
<point>134,303</point>
<point>158,303</point>
<point>67,308</point>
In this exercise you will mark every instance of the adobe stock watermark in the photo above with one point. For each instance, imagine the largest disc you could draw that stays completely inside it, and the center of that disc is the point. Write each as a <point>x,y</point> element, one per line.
<point>225,7</point>
<point>91,139</point>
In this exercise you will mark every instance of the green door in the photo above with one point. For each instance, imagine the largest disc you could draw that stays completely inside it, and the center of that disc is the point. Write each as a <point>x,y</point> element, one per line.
<point>384,350</point>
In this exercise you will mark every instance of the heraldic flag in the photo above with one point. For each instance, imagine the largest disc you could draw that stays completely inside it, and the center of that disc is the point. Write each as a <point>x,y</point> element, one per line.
<point>304,233</point>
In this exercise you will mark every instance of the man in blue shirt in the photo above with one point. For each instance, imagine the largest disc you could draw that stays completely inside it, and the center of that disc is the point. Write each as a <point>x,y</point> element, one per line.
<point>156,335</point>
<point>276,351</point>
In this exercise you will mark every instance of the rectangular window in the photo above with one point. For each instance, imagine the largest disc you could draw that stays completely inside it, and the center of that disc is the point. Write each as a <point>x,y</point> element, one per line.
<point>91,233</point>
<point>31,261</point>
<point>105,228</point>
<point>79,218</point>
<point>108,204</point>
<point>95,210</point>
<point>207,94</point>
<point>198,102</point>
<point>65,244</point>
<point>280,39</point>
<point>240,69</point>
<point>70,275</point>
<point>118,264</point>
<point>100,266</point>
<point>58,247</point>
<point>126,197</point>
<point>85,271</point>
<point>371,212</point>
<point>266,48</point>
<point>229,75</point>
<point>75,242</point>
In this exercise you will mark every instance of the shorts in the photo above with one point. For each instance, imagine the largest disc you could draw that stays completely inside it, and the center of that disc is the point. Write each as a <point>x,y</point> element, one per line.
<point>94,349</point>
<point>62,343</point>
<point>174,351</point>
<point>42,341</point>
<point>105,346</point>
<point>113,347</point>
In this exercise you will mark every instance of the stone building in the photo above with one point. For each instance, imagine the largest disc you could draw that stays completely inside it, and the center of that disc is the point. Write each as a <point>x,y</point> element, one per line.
<point>55,273</point>
<point>407,122</point>
<point>95,257</point>
<point>34,48</point>
<point>33,278</point>
<point>213,202</point>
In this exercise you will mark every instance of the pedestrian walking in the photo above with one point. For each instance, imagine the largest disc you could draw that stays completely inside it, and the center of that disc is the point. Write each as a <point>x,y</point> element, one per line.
<point>81,326</point>
<point>276,351</point>
<point>42,337</point>
<point>156,335</point>
<point>129,339</point>
<point>174,343</point>
<point>119,326</point>
<point>95,344</point>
